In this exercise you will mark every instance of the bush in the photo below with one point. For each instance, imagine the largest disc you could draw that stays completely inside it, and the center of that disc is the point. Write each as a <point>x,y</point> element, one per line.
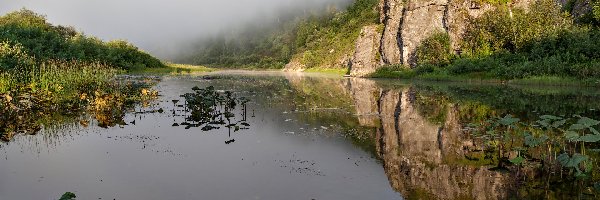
<point>504,31</point>
<point>596,10</point>
<point>13,56</point>
<point>435,50</point>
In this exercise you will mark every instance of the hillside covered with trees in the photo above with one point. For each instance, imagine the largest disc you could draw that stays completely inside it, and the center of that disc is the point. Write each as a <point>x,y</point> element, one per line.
<point>317,37</point>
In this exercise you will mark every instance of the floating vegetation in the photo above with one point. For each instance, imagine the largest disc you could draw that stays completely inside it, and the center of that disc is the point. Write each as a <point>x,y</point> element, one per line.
<point>564,151</point>
<point>68,196</point>
<point>209,109</point>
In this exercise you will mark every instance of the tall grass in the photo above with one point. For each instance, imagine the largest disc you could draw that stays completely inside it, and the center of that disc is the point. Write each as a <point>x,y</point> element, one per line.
<point>71,76</point>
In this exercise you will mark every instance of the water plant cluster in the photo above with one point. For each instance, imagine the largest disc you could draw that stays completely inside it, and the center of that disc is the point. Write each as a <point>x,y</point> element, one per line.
<point>210,109</point>
<point>25,110</point>
<point>562,150</point>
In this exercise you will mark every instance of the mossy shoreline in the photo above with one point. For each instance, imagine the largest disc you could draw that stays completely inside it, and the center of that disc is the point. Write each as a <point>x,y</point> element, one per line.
<point>410,75</point>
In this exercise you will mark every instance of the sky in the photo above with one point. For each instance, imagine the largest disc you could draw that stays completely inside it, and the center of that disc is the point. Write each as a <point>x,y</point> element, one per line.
<point>160,27</point>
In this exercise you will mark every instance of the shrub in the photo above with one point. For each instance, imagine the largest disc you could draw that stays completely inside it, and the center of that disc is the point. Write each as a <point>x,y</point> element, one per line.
<point>596,10</point>
<point>505,30</point>
<point>13,56</point>
<point>435,50</point>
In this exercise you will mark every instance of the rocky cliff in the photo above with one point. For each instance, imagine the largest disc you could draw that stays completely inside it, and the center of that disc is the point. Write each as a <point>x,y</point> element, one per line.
<point>408,22</point>
<point>366,55</point>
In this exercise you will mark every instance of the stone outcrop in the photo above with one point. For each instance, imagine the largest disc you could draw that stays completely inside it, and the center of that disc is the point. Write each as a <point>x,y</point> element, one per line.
<point>581,8</point>
<point>294,66</point>
<point>421,19</point>
<point>366,58</point>
<point>391,16</point>
<point>408,22</point>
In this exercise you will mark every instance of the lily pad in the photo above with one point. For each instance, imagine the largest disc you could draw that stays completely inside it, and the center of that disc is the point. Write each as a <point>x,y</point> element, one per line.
<point>589,138</point>
<point>571,162</point>
<point>518,160</point>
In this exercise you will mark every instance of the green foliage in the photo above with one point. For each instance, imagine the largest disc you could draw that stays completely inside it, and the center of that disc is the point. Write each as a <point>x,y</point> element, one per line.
<point>519,44</point>
<point>68,196</point>
<point>12,56</point>
<point>547,136</point>
<point>504,30</point>
<point>46,69</point>
<point>35,37</point>
<point>596,10</point>
<point>332,37</point>
<point>435,50</point>
<point>494,2</point>
<point>394,71</point>
<point>316,40</point>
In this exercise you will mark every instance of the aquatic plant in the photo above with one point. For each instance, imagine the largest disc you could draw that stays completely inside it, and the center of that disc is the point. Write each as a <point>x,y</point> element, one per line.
<point>553,145</point>
<point>68,196</point>
<point>210,109</point>
<point>107,98</point>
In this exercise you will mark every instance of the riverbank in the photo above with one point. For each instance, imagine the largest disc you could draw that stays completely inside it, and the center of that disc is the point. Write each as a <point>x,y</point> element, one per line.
<point>409,74</point>
<point>384,73</point>
<point>173,69</point>
<point>64,92</point>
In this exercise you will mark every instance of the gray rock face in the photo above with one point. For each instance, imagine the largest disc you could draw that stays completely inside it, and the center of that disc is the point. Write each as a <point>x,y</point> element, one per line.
<point>294,66</point>
<point>581,8</point>
<point>366,56</point>
<point>391,16</point>
<point>409,22</point>
<point>421,19</point>
<point>460,12</point>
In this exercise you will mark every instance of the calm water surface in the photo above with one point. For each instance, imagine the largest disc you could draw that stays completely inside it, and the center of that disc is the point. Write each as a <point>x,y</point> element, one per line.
<point>308,137</point>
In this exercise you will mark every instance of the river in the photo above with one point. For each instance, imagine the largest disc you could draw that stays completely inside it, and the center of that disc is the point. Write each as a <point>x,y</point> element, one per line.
<point>299,136</point>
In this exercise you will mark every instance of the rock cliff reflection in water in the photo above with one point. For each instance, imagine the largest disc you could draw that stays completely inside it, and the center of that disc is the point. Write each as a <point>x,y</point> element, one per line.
<point>287,136</point>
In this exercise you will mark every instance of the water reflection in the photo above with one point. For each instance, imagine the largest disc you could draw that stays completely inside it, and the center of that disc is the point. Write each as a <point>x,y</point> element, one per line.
<point>310,132</point>
<point>425,150</point>
<point>415,151</point>
<point>420,132</point>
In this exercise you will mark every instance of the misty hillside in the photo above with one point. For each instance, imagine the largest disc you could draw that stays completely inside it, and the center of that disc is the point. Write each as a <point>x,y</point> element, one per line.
<point>328,31</point>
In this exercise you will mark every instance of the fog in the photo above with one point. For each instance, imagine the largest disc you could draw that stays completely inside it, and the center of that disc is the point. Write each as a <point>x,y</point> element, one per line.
<point>163,27</point>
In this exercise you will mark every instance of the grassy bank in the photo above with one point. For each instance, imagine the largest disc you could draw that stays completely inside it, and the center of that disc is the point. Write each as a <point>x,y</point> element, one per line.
<point>52,72</point>
<point>65,89</point>
<point>336,71</point>
<point>173,69</point>
<point>411,74</point>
